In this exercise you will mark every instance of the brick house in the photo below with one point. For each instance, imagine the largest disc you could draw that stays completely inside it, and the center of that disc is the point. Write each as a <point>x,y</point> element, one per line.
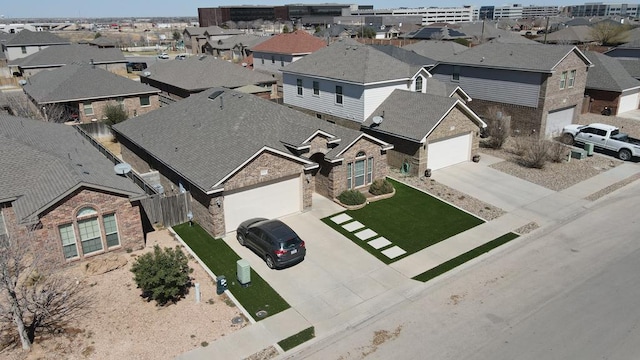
<point>540,87</point>
<point>196,37</point>
<point>241,156</point>
<point>63,192</point>
<point>610,89</point>
<point>177,79</point>
<point>283,49</point>
<point>427,131</point>
<point>81,93</point>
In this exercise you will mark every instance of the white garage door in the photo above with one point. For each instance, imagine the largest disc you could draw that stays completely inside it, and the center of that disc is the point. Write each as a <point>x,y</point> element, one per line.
<point>449,152</point>
<point>269,201</point>
<point>556,120</point>
<point>629,101</point>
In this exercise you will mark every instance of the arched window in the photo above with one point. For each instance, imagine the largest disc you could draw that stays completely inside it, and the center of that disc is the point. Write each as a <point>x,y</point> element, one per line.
<point>360,172</point>
<point>87,227</point>
<point>419,84</point>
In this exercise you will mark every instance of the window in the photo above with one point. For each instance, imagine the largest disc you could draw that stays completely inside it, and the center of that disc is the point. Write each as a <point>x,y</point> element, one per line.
<point>111,230</point>
<point>299,85</point>
<point>369,170</point>
<point>262,60</point>
<point>120,102</point>
<point>24,49</point>
<point>349,175</point>
<point>563,80</point>
<point>88,108</point>
<point>572,78</point>
<point>455,75</point>
<point>281,61</point>
<point>316,88</point>
<point>145,101</point>
<point>360,172</point>
<point>273,59</point>
<point>69,248</point>
<point>338,94</point>
<point>89,230</point>
<point>419,84</point>
<point>3,227</point>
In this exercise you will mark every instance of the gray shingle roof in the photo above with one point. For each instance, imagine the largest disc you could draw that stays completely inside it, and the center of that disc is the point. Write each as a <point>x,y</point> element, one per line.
<point>42,162</point>
<point>570,35</point>
<point>408,56</point>
<point>27,37</point>
<point>521,57</point>
<point>79,82</point>
<point>247,40</point>
<point>351,61</point>
<point>608,74</point>
<point>202,72</point>
<point>205,139</point>
<point>410,115</point>
<point>437,50</point>
<point>632,67</point>
<point>67,54</point>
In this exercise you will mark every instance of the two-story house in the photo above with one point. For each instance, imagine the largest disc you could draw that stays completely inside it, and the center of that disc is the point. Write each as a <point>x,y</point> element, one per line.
<point>196,37</point>
<point>540,87</point>
<point>346,81</point>
<point>28,42</point>
<point>281,50</point>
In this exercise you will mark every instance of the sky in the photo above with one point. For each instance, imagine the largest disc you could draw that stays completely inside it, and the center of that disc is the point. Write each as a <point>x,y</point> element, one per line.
<point>136,8</point>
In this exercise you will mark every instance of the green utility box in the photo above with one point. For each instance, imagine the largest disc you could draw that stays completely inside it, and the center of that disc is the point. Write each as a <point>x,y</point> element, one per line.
<point>578,154</point>
<point>589,149</point>
<point>243,272</point>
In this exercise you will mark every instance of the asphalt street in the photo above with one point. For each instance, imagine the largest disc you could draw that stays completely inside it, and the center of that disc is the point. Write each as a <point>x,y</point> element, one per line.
<point>569,292</point>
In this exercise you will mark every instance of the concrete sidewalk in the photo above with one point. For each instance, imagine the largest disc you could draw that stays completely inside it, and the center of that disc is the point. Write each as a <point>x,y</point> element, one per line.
<point>374,288</point>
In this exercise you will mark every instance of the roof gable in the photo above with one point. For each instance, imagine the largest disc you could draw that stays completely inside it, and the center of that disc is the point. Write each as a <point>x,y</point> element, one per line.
<point>298,42</point>
<point>608,74</point>
<point>350,61</point>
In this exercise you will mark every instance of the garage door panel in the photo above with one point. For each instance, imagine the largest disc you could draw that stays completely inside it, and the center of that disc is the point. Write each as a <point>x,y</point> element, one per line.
<point>628,102</point>
<point>449,152</point>
<point>556,120</point>
<point>268,201</point>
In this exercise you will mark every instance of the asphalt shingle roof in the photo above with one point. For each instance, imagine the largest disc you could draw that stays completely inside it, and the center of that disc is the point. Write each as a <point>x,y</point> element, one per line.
<point>298,42</point>
<point>349,60</point>
<point>521,57</point>
<point>573,34</point>
<point>632,67</point>
<point>27,37</point>
<point>408,56</point>
<point>608,74</point>
<point>79,82</point>
<point>202,72</point>
<point>206,139</point>
<point>437,50</point>
<point>68,54</point>
<point>410,115</point>
<point>247,40</point>
<point>43,161</point>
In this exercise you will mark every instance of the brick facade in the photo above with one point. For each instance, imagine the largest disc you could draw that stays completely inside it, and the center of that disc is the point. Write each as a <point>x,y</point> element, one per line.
<point>131,105</point>
<point>47,236</point>
<point>599,99</point>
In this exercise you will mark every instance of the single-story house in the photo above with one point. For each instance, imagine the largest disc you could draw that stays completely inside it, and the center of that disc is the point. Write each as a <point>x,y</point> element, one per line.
<point>610,88</point>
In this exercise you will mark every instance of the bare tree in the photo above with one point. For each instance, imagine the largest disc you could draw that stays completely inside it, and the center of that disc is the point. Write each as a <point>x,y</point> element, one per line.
<point>609,33</point>
<point>18,104</point>
<point>34,296</point>
<point>497,130</point>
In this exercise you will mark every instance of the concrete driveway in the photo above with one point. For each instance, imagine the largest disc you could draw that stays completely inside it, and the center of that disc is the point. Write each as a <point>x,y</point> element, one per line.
<point>336,275</point>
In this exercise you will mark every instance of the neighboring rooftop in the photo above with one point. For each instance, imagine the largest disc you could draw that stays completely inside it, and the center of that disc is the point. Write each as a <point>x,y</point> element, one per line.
<point>437,50</point>
<point>68,54</point>
<point>298,42</point>
<point>244,40</point>
<point>608,74</point>
<point>34,38</point>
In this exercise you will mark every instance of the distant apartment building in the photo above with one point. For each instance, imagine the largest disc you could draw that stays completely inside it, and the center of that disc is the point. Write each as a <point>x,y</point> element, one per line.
<point>306,13</point>
<point>601,9</point>
<point>429,15</point>
<point>517,11</point>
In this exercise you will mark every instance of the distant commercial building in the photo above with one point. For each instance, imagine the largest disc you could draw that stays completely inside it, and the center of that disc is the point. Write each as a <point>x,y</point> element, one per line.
<point>429,15</point>
<point>517,11</point>
<point>600,9</point>
<point>306,13</point>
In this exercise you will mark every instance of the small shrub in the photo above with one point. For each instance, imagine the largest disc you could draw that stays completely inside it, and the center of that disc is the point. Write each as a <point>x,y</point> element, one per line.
<point>204,344</point>
<point>381,187</point>
<point>496,133</point>
<point>115,114</point>
<point>163,275</point>
<point>352,197</point>
<point>557,152</point>
<point>535,154</point>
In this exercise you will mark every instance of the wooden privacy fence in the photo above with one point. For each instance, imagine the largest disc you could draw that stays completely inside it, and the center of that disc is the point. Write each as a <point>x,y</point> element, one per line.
<point>167,210</point>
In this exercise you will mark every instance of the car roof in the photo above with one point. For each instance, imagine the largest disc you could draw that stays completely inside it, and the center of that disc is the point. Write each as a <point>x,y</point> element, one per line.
<point>276,228</point>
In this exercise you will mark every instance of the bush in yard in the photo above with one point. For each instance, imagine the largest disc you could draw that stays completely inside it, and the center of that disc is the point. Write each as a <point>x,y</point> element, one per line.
<point>497,130</point>
<point>115,114</point>
<point>352,197</point>
<point>557,151</point>
<point>380,187</point>
<point>536,154</point>
<point>163,275</point>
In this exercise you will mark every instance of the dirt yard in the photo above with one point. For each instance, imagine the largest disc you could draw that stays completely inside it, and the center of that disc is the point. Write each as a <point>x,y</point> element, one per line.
<point>122,325</point>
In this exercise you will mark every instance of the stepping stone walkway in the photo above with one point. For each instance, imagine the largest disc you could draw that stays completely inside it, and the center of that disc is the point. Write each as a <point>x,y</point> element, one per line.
<point>345,221</point>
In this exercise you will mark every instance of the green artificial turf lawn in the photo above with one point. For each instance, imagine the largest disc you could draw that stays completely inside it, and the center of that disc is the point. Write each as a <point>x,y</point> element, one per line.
<point>459,260</point>
<point>297,339</point>
<point>411,219</point>
<point>221,259</point>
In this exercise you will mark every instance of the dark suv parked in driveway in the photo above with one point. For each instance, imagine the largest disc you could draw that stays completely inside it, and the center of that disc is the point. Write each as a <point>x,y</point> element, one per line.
<point>272,240</point>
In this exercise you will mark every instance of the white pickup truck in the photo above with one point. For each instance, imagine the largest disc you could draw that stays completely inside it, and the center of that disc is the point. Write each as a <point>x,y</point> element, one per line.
<point>603,136</point>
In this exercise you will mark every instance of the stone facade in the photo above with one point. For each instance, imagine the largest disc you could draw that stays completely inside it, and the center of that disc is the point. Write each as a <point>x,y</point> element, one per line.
<point>47,236</point>
<point>131,105</point>
<point>338,175</point>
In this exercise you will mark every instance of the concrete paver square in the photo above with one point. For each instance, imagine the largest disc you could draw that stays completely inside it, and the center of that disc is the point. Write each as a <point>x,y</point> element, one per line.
<point>353,226</point>
<point>379,243</point>
<point>366,234</point>
<point>339,219</point>
<point>393,252</point>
